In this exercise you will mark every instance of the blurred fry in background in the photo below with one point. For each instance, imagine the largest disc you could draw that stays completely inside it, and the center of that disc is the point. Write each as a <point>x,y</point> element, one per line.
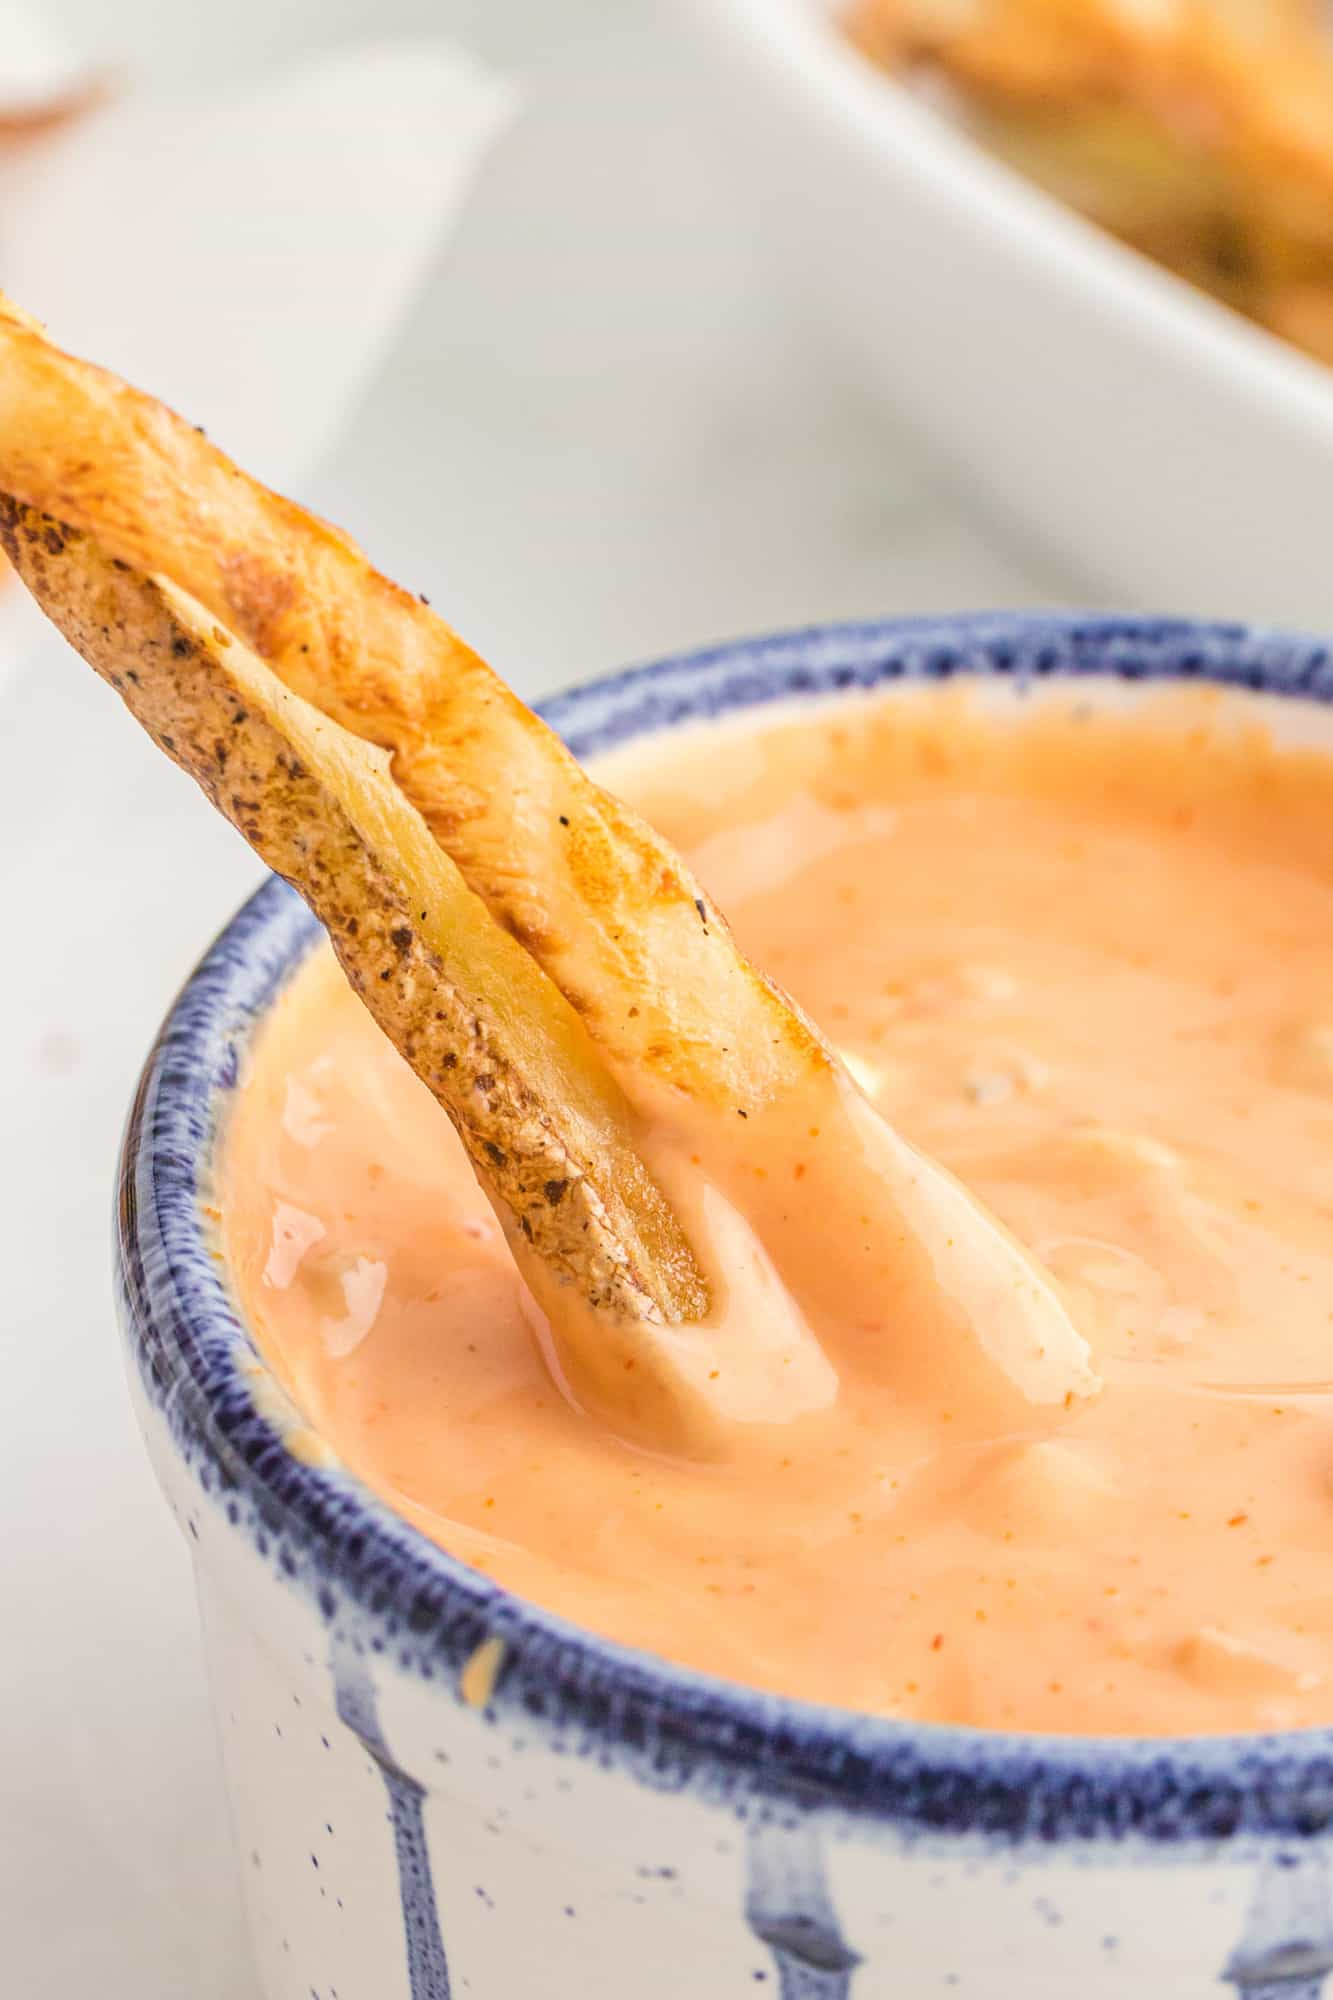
<point>1198,131</point>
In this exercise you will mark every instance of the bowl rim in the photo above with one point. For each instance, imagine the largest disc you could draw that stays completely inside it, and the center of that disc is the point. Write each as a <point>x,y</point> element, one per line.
<point>426,1612</point>
<point>798,44</point>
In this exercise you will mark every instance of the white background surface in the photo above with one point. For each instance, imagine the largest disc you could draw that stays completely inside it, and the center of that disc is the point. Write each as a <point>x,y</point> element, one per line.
<point>603,435</point>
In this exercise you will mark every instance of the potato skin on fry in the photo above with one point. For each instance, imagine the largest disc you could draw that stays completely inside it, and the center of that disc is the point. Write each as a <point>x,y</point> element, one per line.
<point>606,908</point>
<point>551,1139</point>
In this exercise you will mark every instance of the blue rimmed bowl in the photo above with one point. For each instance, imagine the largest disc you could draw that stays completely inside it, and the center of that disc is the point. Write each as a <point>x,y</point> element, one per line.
<point>439,1789</point>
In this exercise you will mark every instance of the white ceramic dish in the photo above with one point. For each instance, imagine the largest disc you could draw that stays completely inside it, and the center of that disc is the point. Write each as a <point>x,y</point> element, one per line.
<point>1169,451</point>
<point>440,1790</point>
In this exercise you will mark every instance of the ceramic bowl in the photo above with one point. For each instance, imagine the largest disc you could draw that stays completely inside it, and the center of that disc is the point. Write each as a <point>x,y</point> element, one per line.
<point>440,1790</point>
<point>1169,451</point>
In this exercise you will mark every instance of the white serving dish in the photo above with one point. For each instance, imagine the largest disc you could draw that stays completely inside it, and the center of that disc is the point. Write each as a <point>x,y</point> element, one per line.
<point>440,1790</point>
<point>1169,452</point>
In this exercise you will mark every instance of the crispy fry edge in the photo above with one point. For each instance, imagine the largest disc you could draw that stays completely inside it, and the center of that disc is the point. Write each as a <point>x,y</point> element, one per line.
<point>600,901</point>
<point>547,1132</point>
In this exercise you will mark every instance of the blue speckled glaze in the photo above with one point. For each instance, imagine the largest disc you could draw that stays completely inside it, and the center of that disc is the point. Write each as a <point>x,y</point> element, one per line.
<point>1286,1952</point>
<point>358,1710</point>
<point>670,1727</point>
<point>788,1907</point>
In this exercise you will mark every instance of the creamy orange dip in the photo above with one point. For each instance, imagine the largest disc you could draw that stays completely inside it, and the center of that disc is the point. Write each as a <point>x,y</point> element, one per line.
<point>1080,953</point>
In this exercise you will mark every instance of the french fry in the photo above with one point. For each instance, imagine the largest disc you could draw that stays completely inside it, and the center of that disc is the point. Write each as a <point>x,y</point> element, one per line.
<point>548,1132</point>
<point>1303,314</point>
<point>605,906</point>
<point>381,766</point>
<point>29,118</point>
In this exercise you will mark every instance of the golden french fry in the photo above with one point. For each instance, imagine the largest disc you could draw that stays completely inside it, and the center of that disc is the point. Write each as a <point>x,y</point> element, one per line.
<point>547,1130</point>
<point>586,889</point>
<point>1303,314</point>
<point>32,119</point>
<point>604,905</point>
